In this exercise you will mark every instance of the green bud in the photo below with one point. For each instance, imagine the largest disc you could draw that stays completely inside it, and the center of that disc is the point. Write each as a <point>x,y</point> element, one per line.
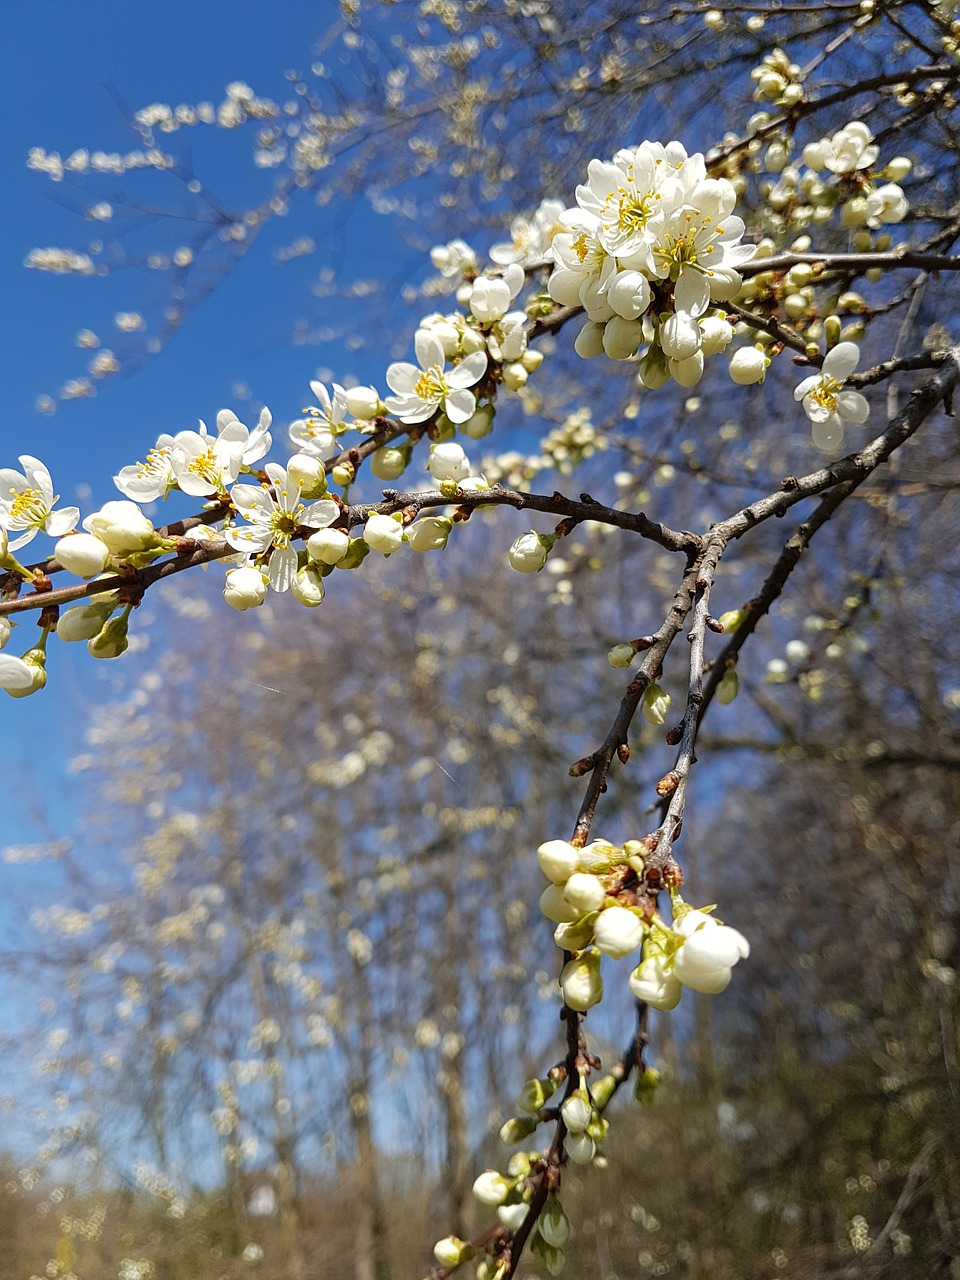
<point>551,1257</point>
<point>602,1091</point>
<point>645,1085</point>
<point>553,1224</point>
<point>656,705</point>
<point>343,474</point>
<point>453,1252</point>
<point>516,1129</point>
<point>111,641</point>
<point>621,655</point>
<point>831,326</point>
<point>357,552</point>
<point>732,620</point>
<point>729,687</point>
<point>535,1095</point>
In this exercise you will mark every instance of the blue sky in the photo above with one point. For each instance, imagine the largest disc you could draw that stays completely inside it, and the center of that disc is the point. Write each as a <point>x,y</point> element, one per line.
<point>61,65</point>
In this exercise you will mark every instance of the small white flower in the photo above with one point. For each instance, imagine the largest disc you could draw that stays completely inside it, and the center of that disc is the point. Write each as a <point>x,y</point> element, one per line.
<point>454,259</point>
<point>824,400</point>
<point>328,546</point>
<point>429,533</point>
<point>421,392</point>
<point>317,432</point>
<point>255,444</point>
<point>150,480</point>
<point>490,299</point>
<point>275,515</point>
<point>307,587</point>
<point>203,466</point>
<point>27,502</point>
<point>530,238</point>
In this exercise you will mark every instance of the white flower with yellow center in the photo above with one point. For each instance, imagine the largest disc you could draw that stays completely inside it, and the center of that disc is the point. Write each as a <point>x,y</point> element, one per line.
<point>584,267</point>
<point>421,392</point>
<point>27,502</point>
<point>699,248</point>
<point>316,433</point>
<point>152,479</point>
<point>202,465</point>
<point>275,513</point>
<point>825,402</point>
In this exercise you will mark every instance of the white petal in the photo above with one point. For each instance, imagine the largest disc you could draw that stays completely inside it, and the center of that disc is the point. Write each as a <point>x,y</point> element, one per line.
<point>468,371</point>
<point>428,349</point>
<point>853,406</point>
<point>459,404</point>
<point>320,514</point>
<point>841,361</point>
<point>15,673</point>
<point>282,568</point>
<point>402,377</point>
<point>60,522</point>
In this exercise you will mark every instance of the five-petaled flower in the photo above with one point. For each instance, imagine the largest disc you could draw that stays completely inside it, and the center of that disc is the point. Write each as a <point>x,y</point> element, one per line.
<point>420,392</point>
<point>276,513</point>
<point>825,402</point>
<point>27,502</point>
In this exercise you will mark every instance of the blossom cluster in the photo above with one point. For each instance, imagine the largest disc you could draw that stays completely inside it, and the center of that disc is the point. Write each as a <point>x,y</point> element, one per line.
<point>652,246</point>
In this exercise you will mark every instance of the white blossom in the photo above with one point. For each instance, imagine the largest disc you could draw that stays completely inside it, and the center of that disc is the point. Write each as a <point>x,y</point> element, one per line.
<point>82,554</point>
<point>655,983</point>
<point>383,533</point>
<point>705,961</point>
<point>244,588</point>
<point>27,502</point>
<point>275,513</point>
<point>123,527</point>
<point>825,402</point>
<point>316,433</point>
<point>419,392</point>
<point>617,932</point>
<point>528,553</point>
<point>152,479</point>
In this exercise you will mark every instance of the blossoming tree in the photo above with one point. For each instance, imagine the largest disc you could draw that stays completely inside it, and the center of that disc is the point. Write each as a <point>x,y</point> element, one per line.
<point>784,244</point>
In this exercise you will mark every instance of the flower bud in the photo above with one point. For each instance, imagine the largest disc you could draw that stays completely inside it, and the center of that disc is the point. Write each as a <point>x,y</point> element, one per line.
<point>574,935</point>
<point>732,620</point>
<point>448,462</point>
<point>429,533</point>
<point>584,892</point>
<point>645,1085</point>
<point>617,932</point>
<point>491,1188</point>
<point>514,375</point>
<point>535,1095</point>
<point>513,1216</point>
<point>580,981</point>
<point>653,983</point>
<point>577,1111</point>
<point>328,546</point>
<point>555,906</point>
<point>516,1129</point>
<point>18,677</point>
<point>123,527</point>
<point>356,553</point>
<point>602,1091</point>
<point>532,359</point>
<point>244,588</point>
<point>558,860</point>
<point>716,334</point>
<point>551,1258</point>
<point>705,961</point>
<point>452,1252</point>
<point>363,402</point>
<point>307,587</point>
<point>729,687</point>
<point>656,704</point>
<point>308,473</point>
<point>82,554</point>
<point>589,341</point>
<point>111,640</point>
<point>388,463</point>
<point>553,1223</point>
<point>83,622</point>
<point>383,533</point>
<point>6,630</point>
<point>529,552</point>
<point>621,655</point>
<point>480,423</point>
<point>343,474</point>
<point>580,1147</point>
<point>748,365</point>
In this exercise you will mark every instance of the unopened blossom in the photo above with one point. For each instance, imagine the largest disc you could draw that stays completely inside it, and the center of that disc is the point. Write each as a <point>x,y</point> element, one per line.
<point>6,630</point>
<point>887,204</point>
<point>617,932</point>
<point>383,533</point>
<point>528,553</point>
<point>388,463</point>
<point>656,704</point>
<point>275,513</point>
<point>705,961</point>
<point>82,554</point>
<point>748,365</point>
<point>558,860</point>
<point>492,1188</point>
<point>513,1216</point>
<point>82,622</point>
<point>490,298</point>
<point>363,402</point>
<point>27,502</point>
<point>16,676</point>
<point>123,527</point>
<point>429,533</point>
<point>420,392</point>
<point>679,336</point>
<point>555,906</point>
<point>553,1223</point>
<point>448,462</point>
<point>577,1112</point>
<point>580,981</point>
<point>654,983</point>
<point>244,588</point>
<point>580,1147</point>
<point>584,892</point>
<point>317,431</point>
<point>452,1252</point>
<point>111,640</point>
<point>328,546</point>
<point>824,401</point>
